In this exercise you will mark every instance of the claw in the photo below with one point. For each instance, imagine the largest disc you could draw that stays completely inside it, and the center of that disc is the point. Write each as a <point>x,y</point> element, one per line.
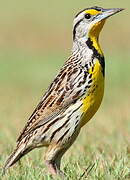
<point>53,169</point>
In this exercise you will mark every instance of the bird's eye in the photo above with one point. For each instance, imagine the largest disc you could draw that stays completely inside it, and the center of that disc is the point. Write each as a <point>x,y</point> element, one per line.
<point>87,16</point>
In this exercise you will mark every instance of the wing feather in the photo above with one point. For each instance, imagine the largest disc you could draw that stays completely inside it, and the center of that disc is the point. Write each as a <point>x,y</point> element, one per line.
<point>60,95</point>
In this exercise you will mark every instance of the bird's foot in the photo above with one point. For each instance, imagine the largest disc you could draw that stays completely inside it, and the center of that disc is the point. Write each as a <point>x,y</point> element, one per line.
<point>54,170</point>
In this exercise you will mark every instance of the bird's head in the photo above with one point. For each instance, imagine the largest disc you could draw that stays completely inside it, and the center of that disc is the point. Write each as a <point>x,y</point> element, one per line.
<point>90,21</point>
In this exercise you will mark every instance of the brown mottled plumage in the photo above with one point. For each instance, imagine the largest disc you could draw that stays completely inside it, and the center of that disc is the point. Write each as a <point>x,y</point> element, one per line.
<point>73,97</point>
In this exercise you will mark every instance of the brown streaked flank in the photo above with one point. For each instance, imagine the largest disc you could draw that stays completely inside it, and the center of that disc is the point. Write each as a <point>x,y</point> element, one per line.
<point>73,97</point>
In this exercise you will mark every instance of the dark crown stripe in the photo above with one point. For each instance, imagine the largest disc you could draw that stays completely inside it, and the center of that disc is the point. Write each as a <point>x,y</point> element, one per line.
<point>94,7</point>
<point>81,12</point>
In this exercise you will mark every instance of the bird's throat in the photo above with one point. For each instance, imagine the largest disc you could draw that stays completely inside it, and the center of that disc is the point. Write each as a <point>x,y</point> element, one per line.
<point>94,35</point>
<point>96,44</point>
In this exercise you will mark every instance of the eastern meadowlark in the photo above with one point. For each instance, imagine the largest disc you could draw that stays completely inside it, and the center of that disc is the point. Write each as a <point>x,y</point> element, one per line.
<point>72,98</point>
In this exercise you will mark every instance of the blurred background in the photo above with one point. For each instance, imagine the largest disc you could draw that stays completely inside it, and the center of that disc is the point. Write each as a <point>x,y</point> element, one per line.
<point>35,40</point>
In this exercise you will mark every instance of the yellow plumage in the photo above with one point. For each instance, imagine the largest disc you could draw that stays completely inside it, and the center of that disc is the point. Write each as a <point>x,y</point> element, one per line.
<point>72,98</point>
<point>94,96</point>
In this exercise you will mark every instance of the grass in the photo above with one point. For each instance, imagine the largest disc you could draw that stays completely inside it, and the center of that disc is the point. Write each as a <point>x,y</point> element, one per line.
<point>103,142</point>
<point>34,42</point>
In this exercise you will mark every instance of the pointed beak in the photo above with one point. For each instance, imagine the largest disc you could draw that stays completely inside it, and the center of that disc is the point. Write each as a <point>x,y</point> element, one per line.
<point>108,12</point>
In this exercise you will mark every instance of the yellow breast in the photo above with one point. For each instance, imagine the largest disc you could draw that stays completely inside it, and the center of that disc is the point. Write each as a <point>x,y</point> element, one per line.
<point>94,96</point>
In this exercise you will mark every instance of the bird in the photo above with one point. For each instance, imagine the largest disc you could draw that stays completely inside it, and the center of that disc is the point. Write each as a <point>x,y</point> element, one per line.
<point>72,98</point>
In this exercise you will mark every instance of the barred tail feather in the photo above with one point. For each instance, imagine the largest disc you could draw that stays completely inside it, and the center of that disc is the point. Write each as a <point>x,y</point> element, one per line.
<point>15,156</point>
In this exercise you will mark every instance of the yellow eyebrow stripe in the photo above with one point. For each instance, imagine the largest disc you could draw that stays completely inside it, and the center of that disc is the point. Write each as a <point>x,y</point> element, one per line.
<point>92,12</point>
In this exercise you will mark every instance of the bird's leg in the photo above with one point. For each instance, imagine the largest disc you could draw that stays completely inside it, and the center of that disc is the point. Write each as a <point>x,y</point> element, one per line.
<point>53,168</point>
<point>54,154</point>
<point>53,160</point>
